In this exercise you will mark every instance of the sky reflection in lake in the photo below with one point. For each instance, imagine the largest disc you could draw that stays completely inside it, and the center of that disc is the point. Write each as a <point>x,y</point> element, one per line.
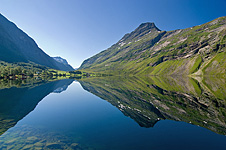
<point>77,119</point>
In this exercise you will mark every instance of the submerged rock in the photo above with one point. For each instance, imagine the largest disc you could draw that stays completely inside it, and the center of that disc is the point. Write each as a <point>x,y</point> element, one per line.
<point>53,146</point>
<point>27,147</point>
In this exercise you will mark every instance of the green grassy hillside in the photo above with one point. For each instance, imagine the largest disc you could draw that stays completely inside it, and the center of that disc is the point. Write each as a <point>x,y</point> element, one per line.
<point>198,50</point>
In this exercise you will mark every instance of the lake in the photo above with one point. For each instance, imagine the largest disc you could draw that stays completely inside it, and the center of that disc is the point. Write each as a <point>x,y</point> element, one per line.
<point>114,113</point>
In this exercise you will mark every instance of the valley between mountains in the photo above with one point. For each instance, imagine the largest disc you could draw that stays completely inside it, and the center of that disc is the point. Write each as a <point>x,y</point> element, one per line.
<point>198,50</point>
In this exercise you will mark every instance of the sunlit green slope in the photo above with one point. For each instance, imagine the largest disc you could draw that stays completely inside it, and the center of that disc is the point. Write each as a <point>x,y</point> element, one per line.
<point>147,50</point>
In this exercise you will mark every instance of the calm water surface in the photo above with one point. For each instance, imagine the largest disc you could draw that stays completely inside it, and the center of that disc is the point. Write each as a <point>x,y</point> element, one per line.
<point>68,117</point>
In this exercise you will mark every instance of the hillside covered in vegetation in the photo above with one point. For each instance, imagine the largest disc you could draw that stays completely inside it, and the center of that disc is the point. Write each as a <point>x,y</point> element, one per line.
<point>199,50</point>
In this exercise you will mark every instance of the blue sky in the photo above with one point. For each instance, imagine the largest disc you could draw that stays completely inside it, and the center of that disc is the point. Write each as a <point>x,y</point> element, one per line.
<point>78,29</point>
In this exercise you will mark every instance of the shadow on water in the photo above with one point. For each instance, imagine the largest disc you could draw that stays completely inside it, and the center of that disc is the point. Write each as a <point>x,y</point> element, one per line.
<point>147,100</point>
<point>20,97</point>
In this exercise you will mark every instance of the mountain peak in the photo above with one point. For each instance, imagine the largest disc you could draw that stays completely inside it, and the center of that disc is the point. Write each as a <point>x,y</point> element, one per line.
<point>60,60</point>
<point>148,26</point>
<point>143,29</point>
<point>64,62</point>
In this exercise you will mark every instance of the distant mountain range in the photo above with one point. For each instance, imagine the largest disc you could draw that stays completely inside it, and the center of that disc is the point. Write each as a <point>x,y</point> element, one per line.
<point>62,61</point>
<point>148,50</point>
<point>17,46</point>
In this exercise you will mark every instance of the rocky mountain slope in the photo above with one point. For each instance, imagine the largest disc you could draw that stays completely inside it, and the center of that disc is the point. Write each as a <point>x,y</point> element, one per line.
<point>148,50</point>
<point>17,46</point>
<point>63,61</point>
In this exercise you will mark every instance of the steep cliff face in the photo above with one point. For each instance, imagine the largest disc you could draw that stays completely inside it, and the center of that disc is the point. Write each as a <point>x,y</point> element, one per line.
<point>17,46</point>
<point>147,50</point>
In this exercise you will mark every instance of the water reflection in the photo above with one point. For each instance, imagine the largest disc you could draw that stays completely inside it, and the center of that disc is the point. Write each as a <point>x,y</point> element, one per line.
<point>77,119</point>
<point>17,102</point>
<point>150,99</point>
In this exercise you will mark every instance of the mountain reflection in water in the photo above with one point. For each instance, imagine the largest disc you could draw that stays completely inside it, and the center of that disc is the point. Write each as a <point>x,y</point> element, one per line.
<point>16,103</point>
<point>77,119</point>
<point>150,99</point>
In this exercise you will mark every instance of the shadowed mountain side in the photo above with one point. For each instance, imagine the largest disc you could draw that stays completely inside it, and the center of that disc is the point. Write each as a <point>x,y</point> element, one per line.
<point>17,46</point>
<point>16,103</point>
<point>148,100</point>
